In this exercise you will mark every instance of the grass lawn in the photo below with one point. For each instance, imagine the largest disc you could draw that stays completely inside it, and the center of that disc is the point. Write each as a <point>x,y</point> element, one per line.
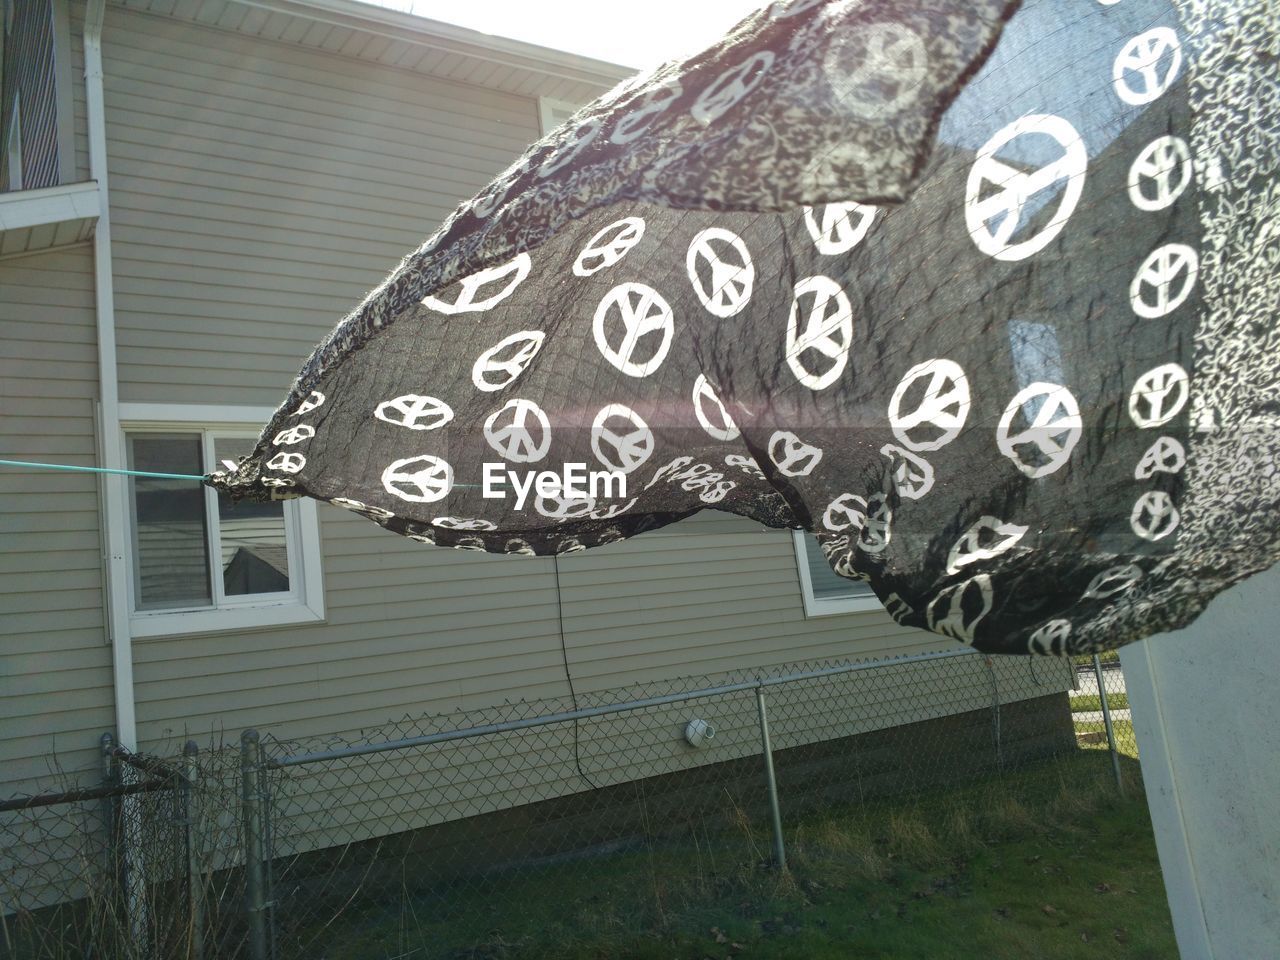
<point>1091,701</point>
<point>1047,863</point>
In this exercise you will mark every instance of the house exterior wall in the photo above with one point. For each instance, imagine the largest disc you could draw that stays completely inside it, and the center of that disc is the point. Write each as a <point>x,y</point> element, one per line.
<point>258,190</point>
<point>29,76</point>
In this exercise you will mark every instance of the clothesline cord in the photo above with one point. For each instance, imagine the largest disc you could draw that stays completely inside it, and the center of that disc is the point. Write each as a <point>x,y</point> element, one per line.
<point>78,469</point>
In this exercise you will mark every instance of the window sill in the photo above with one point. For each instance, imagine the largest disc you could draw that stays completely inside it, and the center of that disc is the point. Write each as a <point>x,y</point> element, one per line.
<point>834,608</point>
<point>223,621</point>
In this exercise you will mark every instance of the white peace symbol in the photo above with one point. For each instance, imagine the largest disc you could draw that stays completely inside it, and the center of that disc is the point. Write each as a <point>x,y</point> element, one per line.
<point>747,465</point>
<point>723,427</point>
<point>1142,56</point>
<point>1165,163</point>
<point>362,508</point>
<point>942,410</point>
<point>514,271</point>
<point>1016,187</point>
<point>1159,395</point>
<point>828,330</point>
<point>731,282</point>
<point>987,538</point>
<point>1166,455</point>
<point>415,412</point>
<point>843,226</point>
<point>878,69</point>
<point>491,373</point>
<point>649,313</point>
<point>1154,516</point>
<point>791,455</point>
<point>631,448</point>
<point>277,482</point>
<point>294,434</point>
<point>422,479</point>
<point>514,440</point>
<point>315,399</point>
<point>1163,266</point>
<point>728,89</point>
<point>518,547</point>
<point>876,528</point>
<point>1113,580</point>
<point>1052,433</point>
<point>490,200</point>
<point>609,246</point>
<point>638,121</point>
<point>287,462</point>
<point>567,150</point>
<point>946,614</point>
<point>1050,639</point>
<point>844,512</point>
<point>461,523</point>
<point>912,475</point>
<point>564,508</point>
<point>614,510</point>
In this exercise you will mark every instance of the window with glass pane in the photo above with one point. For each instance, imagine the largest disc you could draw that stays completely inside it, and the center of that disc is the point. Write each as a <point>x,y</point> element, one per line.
<point>825,582</point>
<point>194,548</point>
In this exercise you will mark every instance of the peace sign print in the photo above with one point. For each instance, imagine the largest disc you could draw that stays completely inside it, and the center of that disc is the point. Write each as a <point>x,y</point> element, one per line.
<point>993,219</point>
<point>512,272</point>
<point>502,363</point>
<point>652,105</point>
<point>877,70</point>
<point>1160,173</point>
<point>828,332</point>
<point>1166,455</point>
<point>509,432</point>
<point>876,527</point>
<point>294,434</point>
<point>556,507</point>
<point>1159,395</point>
<point>711,412</point>
<point>645,319</point>
<point>987,538</point>
<point>1046,442</point>
<point>934,415</point>
<point>841,228</point>
<point>912,475</point>
<point>415,412</point>
<point>731,273</point>
<point>627,437</point>
<point>1147,66</point>
<point>844,512</point>
<point>791,455</point>
<point>463,523</point>
<point>609,246</point>
<point>422,479</point>
<point>1164,281</point>
<point>567,150</point>
<point>956,611</point>
<point>314,399</point>
<point>728,89</point>
<point>287,462</point>
<point>1154,516</point>
<point>1050,639</point>
<point>1112,581</point>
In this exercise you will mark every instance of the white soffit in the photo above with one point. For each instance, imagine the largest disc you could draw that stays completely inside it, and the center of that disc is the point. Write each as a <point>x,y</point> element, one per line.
<point>408,42</point>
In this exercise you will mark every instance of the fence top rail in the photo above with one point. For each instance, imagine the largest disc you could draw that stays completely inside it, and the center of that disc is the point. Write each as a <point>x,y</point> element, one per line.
<point>508,726</point>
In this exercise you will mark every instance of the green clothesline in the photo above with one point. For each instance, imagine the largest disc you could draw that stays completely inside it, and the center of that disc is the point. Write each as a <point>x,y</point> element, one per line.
<point>125,473</point>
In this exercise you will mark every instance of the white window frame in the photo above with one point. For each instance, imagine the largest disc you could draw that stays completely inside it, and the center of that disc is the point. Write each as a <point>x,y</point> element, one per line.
<point>826,606</point>
<point>304,603</point>
<point>547,107</point>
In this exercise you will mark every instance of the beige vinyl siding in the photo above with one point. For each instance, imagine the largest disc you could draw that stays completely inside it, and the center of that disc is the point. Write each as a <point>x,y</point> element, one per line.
<point>55,665</point>
<point>259,190</point>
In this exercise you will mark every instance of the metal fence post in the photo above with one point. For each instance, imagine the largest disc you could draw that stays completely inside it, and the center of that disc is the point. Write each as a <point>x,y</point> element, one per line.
<point>254,872</point>
<point>1106,722</point>
<point>111,818</point>
<point>779,851</point>
<point>195,883</point>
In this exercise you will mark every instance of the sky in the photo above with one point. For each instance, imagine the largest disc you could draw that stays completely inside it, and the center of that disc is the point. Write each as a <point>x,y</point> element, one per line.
<point>594,28</point>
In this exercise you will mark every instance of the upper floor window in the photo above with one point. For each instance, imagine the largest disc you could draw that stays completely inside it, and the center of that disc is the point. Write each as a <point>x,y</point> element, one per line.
<point>13,145</point>
<point>199,561</point>
<point>825,592</point>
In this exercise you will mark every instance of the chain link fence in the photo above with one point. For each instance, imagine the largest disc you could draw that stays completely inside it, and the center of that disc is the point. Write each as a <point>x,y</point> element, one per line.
<point>497,832</point>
